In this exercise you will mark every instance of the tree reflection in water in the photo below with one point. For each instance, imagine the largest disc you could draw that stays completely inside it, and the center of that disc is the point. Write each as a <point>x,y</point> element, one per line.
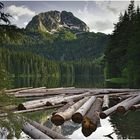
<point>126,126</point>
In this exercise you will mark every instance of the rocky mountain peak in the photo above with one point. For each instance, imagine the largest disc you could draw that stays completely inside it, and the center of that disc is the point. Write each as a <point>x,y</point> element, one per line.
<point>52,21</point>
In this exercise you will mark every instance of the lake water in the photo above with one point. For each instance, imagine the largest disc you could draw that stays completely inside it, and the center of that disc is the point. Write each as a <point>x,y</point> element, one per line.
<point>125,126</point>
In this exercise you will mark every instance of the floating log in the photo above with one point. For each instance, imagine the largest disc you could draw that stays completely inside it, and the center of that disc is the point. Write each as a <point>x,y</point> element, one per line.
<point>47,131</point>
<point>135,107</point>
<point>16,89</point>
<point>64,107</point>
<point>32,110</point>
<point>32,89</point>
<point>111,110</point>
<point>77,117</point>
<point>92,119</point>
<point>126,105</point>
<point>105,102</point>
<point>61,117</point>
<point>36,103</point>
<point>34,132</point>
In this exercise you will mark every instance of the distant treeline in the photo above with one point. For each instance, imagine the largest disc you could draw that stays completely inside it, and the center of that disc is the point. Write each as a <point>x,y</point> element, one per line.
<point>123,52</point>
<point>26,63</point>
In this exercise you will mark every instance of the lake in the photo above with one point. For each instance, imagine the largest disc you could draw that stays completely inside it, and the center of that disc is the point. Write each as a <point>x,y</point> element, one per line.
<point>121,126</point>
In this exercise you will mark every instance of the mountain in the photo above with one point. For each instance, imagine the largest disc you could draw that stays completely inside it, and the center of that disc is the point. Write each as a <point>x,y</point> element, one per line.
<point>54,21</point>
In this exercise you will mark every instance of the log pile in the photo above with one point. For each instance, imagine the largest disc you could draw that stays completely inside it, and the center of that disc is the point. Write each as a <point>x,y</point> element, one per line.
<point>85,106</point>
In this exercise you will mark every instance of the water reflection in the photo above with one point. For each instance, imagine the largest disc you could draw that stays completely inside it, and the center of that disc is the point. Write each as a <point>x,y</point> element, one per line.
<point>77,81</point>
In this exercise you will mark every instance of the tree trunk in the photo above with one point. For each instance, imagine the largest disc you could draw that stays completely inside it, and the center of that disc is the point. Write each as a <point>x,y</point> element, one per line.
<point>92,119</point>
<point>47,131</point>
<point>126,105</point>
<point>105,102</point>
<point>77,117</point>
<point>111,110</point>
<point>61,117</point>
<point>33,132</point>
<point>63,108</point>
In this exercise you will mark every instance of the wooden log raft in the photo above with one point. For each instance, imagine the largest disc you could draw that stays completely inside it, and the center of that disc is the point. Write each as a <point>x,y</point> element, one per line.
<point>77,117</point>
<point>105,102</point>
<point>34,132</point>
<point>61,117</point>
<point>135,107</point>
<point>126,105</point>
<point>47,131</point>
<point>92,119</point>
<point>111,110</point>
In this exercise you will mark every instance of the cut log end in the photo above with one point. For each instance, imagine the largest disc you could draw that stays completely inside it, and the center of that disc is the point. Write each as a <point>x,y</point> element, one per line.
<point>21,107</point>
<point>102,115</point>
<point>57,120</point>
<point>77,117</point>
<point>121,109</point>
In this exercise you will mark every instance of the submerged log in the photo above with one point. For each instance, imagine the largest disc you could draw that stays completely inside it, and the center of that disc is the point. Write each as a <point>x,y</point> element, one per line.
<point>113,109</point>
<point>64,107</point>
<point>77,117</point>
<point>135,107</point>
<point>47,131</point>
<point>61,117</point>
<point>126,105</point>
<point>105,102</point>
<point>34,132</point>
<point>92,119</point>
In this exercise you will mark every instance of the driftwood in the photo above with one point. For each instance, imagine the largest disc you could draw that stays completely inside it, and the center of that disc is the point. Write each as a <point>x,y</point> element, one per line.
<point>135,107</point>
<point>64,107</point>
<point>32,89</point>
<point>32,110</point>
<point>113,109</point>
<point>77,117</point>
<point>47,131</point>
<point>126,105</point>
<point>105,102</point>
<point>34,132</point>
<point>61,117</point>
<point>92,119</point>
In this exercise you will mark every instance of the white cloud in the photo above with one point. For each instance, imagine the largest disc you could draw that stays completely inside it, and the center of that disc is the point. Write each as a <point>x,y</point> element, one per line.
<point>20,11</point>
<point>25,23</point>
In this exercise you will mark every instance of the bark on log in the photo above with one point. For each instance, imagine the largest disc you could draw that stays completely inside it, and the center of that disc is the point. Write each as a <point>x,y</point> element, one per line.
<point>105,102</point>
<point>34,132</point>
<point>113,109</point>
<point>47,131</point>
<point>92,119</point>
<point>135,107</point>
<point>61,117</point>
<point>126,105</point>
<point>64,107</point>
<point>77,117</point>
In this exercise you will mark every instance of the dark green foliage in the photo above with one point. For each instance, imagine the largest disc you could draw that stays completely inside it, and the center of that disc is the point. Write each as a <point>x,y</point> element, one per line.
<point>123,53</point>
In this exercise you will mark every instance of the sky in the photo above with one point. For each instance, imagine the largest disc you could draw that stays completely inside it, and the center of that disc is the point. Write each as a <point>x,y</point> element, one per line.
<point>100,16</point>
